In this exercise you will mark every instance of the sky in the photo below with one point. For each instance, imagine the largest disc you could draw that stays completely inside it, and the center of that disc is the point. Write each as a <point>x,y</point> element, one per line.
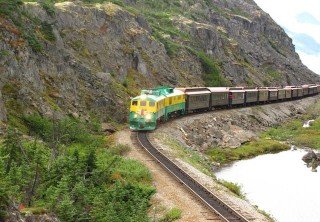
<point>301,21</point>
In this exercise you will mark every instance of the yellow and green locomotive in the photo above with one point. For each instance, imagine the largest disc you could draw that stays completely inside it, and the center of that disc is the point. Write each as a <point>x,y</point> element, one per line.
<point>155,105</point>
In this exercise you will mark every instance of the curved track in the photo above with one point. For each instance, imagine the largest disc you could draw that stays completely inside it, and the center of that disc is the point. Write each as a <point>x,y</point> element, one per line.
<point>226,212</point>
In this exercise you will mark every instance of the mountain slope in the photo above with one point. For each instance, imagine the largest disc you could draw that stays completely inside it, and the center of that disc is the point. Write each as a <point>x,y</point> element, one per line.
<point>86,59</point>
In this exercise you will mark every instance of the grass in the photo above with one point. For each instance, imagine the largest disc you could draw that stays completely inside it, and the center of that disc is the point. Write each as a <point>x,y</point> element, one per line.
<point>188,155</point>
<point>172,215</point>
<point>249,150</point>
<point>294,133</point>
<point>233,187</point>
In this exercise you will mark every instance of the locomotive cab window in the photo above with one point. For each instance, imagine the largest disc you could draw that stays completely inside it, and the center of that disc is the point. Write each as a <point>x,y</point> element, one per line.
<point>143,103</point>
<point>152,104</point>
<point>134,103</point>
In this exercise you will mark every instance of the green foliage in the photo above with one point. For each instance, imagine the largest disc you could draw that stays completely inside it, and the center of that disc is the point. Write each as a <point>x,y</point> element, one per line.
<point>120,149</point>
<point>7,7</point>
<point>233,187</point>
<point>296,134</point>
<point>251,149</point>
<point>171,215</point>
<point>48,6</point>
<point>4,53</point>
<point>12,149</point>
<point>65,131</point>
<point>33,42</point>
<point>125,83</point>
<point>123,203</point>
<point>47,31</point>
<point>83,176</point>
<point>212,75</point>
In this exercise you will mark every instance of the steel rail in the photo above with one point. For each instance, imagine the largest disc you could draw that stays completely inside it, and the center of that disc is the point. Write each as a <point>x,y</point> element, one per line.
<point>219,207</point>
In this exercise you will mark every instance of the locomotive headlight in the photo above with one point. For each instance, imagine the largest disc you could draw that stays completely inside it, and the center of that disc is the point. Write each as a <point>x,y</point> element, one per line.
<point>148,116</point>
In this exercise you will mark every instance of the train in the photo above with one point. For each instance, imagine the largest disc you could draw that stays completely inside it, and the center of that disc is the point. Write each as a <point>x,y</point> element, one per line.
<point>160,104</point>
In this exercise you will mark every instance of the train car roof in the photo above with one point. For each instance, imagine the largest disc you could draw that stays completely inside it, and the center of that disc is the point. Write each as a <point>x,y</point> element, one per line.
<point>192,89</point>
<point>218,89</point>
<point>251,90</point>
<point>197,92</point>
<point>236,90</point>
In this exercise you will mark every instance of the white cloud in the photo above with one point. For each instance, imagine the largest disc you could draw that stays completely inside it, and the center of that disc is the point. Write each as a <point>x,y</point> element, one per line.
<point>285,13</point>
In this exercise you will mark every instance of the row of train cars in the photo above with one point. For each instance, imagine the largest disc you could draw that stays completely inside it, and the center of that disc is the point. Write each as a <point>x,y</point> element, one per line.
<point>162,103</point>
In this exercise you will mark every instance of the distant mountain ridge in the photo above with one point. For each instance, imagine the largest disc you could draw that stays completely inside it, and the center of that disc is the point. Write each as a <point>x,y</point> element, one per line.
<point>87,58</point>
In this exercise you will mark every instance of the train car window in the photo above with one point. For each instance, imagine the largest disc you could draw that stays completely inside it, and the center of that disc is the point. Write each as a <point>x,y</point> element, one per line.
<point>170,100</point>
<point>143,103</point>
<point>152,104</point>
<point>134,103</point>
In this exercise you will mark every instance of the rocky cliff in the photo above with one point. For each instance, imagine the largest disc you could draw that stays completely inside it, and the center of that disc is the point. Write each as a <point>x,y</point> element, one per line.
<point>86,59</point>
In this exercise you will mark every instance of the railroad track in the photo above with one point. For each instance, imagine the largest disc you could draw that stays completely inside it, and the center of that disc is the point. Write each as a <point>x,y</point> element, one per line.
<point>223,210</point>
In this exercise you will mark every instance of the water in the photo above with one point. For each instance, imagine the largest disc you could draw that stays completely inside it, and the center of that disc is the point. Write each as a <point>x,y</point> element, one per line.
<point>280,184</point>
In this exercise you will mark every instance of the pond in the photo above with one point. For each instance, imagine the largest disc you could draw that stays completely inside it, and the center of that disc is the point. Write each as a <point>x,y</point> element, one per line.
<point>280,184</point>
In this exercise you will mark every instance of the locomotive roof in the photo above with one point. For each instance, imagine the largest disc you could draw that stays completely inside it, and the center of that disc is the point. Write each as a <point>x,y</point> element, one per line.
<point>155,98</point>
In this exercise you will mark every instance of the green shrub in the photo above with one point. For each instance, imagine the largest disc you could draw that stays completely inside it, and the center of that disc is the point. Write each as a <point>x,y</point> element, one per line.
<point>33,42</point>
<point>233,187</point>
<point>48,6</point>
<point>47,31</point>
<point>84,177</point>
<point>212,73</point>
<point>7,7</point>
<point>119,149</point>
<point>171,215</point>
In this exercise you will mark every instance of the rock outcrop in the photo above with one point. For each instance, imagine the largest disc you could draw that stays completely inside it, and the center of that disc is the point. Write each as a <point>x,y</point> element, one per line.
<point>312,160</point>
<point>83,59</point>
<point>232,128</point>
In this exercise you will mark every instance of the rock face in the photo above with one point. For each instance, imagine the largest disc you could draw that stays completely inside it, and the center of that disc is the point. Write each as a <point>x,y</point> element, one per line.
<point>88,59</point>
<point>312,160</point>
<point>231,128</point>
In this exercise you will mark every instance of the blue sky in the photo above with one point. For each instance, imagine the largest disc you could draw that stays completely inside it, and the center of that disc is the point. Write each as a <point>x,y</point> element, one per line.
<point>301,21</point>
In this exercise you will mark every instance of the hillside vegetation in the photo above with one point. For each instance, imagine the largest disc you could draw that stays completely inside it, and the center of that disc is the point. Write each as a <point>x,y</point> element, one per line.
<point>66,169</point>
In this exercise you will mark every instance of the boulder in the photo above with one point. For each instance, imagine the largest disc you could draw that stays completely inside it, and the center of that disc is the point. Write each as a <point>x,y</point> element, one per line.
<point>307,158</point>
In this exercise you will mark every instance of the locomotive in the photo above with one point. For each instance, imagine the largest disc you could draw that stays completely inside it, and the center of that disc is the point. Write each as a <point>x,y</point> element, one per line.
<point>162,103</point>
